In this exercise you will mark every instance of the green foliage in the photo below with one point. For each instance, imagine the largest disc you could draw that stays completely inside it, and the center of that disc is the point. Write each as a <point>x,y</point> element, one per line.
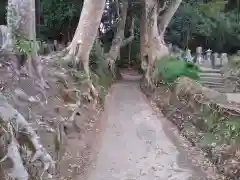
<point>60,16</point>
<point>23,46</point>
<point>207,24</point>
<point>169,69</point>
<point>220,129</point>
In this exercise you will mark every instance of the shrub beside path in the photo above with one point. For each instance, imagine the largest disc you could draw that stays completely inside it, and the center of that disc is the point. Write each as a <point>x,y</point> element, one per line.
<point>138,144</point>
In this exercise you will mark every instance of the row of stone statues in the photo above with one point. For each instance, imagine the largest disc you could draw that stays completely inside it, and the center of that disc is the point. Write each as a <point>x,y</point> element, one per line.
<point>205,59</point>
<point>43,46</point>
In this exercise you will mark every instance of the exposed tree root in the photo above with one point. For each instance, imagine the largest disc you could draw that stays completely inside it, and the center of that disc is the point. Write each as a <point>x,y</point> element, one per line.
<point>21,134</point>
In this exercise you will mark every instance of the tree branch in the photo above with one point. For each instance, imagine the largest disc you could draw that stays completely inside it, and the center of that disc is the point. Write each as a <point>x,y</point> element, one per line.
<point>161,9</point>
<point>130,38</point>
<point>16,125</point>
<point>167,16</point>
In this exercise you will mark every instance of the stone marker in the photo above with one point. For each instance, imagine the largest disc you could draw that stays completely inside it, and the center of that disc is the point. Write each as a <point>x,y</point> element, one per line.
<point>3,35</point>
<point>224,59</point>
<point>170,48</point>
<point>55,45</point>
<point>216,60</point>
<point>208,55</point>
<point>199,58</point>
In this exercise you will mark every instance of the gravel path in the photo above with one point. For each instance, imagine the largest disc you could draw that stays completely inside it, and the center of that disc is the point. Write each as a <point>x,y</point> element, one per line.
<point>138,144</point>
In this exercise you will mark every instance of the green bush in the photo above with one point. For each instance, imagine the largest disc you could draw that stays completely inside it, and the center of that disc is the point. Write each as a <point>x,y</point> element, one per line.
<point>168,69</point>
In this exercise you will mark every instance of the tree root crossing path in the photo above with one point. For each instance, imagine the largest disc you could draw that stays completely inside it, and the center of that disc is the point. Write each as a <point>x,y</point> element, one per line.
<point>138,143</point>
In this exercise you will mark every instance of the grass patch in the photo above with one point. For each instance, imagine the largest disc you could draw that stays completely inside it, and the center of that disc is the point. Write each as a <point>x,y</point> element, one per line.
<point>168,69</point>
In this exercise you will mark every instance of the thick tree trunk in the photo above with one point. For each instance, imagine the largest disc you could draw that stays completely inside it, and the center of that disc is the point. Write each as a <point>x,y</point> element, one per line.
<point>119,39</point>
<point>157,48</point>
<point>85,35</point>
<point>22,27</point>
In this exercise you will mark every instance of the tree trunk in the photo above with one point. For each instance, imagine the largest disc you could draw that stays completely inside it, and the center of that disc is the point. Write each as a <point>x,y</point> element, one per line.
<point>167,16</point>
<point>143,38</point>
<point>157,48</point>
<point>119,39</point>
<point>85,35</point>
<point>22,27</point>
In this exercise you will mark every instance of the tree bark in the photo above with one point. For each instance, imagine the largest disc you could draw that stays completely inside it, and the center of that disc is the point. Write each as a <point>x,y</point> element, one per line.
<point>85,35</point>
<point>157,48</point>
<point>15,127</point>
<point>143,37</point>
<point>119,39</point>
<point>22,26</point>
<point>167,16</point>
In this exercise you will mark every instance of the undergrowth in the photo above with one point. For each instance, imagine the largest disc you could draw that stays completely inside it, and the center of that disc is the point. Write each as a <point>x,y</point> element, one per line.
<point>220,128</point>
<point>168,69</point>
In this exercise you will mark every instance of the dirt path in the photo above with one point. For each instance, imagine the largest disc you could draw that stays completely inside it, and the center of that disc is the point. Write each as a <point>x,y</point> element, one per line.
<point>137,144</point>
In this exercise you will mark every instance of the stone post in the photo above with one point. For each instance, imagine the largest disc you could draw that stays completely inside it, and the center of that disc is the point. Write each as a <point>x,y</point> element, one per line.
<point>199,57</point>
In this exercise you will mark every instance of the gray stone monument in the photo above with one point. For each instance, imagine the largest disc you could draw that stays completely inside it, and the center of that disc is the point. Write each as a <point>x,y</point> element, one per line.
<point>3,35</point>
<point>216,60</point>
<point>55,45</point>
<point>199,58</point>
<point>224,59</point>
<point>208,55</point>
<point>170,48</point>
